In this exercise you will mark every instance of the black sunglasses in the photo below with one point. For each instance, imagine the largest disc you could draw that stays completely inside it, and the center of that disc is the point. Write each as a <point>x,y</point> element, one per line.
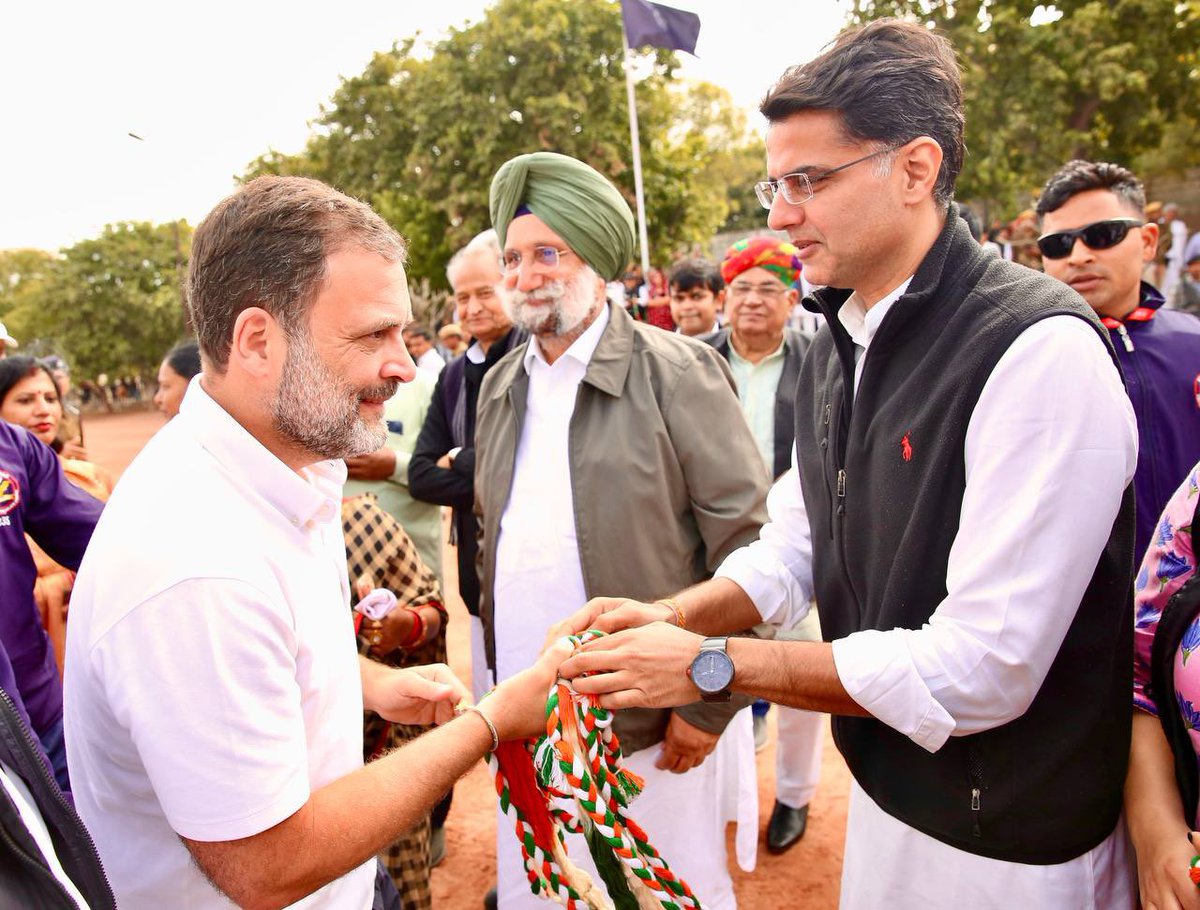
<point>1099,235</point>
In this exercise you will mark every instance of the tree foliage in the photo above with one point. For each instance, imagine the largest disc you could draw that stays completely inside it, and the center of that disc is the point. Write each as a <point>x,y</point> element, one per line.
<point>420,136</point>
<point>108,304</point>
<point>1116,80</point>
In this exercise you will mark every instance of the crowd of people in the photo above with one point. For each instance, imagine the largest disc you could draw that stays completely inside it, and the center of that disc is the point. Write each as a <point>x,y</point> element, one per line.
<point>879,470</point>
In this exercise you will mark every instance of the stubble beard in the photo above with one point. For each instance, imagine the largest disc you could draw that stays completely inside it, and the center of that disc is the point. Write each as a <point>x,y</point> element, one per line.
<point>318,412</point>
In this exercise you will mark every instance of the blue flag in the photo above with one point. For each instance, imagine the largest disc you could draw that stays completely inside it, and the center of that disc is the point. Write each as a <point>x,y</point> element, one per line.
<point>656,25</point>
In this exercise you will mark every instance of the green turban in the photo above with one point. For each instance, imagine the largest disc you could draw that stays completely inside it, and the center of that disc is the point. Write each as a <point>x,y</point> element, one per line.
<point>574,200</point>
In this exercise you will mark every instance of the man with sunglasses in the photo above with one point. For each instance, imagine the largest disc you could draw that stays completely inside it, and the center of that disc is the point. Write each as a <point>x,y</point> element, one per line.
<point>609,456</point>
<point>1093,239</point>
<point>961,509</point>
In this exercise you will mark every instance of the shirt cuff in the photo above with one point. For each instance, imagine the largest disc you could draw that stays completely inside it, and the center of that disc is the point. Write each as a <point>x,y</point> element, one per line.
<point>877,671</point>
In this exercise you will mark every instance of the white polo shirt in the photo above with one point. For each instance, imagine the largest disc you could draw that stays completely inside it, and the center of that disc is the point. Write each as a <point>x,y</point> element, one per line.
<point>212,679</point>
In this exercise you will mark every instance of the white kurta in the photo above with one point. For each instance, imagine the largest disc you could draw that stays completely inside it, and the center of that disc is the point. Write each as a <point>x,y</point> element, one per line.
<point>539,581</point>
<point>1050,447</point>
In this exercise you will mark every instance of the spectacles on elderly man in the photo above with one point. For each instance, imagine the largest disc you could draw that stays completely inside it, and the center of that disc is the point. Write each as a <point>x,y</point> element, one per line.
<point>545,257</point>
<point>741,289</point>
<point>797,188</point>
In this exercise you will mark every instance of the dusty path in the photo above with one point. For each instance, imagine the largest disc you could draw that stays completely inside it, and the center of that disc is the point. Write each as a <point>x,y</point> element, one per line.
<point>805,878</point>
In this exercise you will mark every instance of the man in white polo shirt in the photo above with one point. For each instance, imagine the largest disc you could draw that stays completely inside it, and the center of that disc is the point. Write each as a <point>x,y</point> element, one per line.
<point>214,693</point>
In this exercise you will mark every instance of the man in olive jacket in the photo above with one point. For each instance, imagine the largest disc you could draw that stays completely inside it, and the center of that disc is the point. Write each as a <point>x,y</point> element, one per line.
<point>610,456</point>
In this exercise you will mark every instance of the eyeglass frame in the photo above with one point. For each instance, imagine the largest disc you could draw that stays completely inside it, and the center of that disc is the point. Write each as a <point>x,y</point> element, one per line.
<point>516,267</point>
<point>773,186</point>
<point>1076,234</point>
<point>772,291</point>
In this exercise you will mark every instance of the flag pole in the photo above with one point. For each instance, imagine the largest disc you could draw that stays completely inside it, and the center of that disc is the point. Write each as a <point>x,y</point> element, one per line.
<point>637,161</point>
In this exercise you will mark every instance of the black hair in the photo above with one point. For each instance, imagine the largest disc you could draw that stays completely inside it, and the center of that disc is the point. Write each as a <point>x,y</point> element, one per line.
<point>184,359</point>
<point>695,273</point>
<point>15,369</point>
<point>1079,176</point>
<point>890,81</point>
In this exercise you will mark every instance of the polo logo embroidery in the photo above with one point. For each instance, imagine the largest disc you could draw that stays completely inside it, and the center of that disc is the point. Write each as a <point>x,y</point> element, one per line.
<point>906,448</point>
<point>10,492</point>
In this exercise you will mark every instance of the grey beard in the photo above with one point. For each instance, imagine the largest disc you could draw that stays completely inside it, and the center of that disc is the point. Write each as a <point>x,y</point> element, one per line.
<point>319,413</point>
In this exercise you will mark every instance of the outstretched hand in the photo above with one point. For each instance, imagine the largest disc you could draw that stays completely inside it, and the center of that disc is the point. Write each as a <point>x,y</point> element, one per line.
<point>646,667</point>
<point>517,707</point>
<point>610,614</point>
<point>418,695</point>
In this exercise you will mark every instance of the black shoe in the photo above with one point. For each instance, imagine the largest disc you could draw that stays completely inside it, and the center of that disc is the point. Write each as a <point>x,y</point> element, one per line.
<point>489,900</point>
<point>785,827</point>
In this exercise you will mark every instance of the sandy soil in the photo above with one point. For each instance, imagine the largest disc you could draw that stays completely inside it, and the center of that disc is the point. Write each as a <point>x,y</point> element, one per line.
<point>805,878</point>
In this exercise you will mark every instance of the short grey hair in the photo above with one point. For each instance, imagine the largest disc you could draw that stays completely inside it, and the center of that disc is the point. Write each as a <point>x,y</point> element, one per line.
<point>485,242</point>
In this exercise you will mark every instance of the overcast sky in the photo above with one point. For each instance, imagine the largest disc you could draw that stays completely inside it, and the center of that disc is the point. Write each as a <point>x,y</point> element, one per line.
<point>210,86</point>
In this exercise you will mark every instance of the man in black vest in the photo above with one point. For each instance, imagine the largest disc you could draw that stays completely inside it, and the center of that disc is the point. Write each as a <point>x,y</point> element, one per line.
<point>963,516</point>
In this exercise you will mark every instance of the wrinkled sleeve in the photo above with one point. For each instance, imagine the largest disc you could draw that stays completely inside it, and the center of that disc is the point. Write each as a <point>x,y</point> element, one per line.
<point>211,648</point>
<point>727,483</point>
<point>776,570</point>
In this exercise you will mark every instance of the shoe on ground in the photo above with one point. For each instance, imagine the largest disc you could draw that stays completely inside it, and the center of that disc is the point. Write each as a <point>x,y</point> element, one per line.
<point>437,847</point>
<point>786,827</point>
<point>760,732</point>
<point>489,900</point>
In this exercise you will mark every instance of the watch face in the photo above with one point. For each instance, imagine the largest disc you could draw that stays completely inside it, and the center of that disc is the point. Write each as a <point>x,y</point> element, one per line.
<point>712,671</point>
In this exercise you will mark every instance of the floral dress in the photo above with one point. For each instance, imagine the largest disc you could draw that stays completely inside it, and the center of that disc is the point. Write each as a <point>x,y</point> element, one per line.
<point>1170,561</point>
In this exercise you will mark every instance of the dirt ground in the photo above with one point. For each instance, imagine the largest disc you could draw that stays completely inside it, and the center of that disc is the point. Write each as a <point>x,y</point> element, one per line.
<point>805,878</point>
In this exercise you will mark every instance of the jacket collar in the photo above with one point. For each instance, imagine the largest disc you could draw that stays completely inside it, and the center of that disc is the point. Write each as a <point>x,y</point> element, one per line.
<point>610,362</point>
<point>606,370</point>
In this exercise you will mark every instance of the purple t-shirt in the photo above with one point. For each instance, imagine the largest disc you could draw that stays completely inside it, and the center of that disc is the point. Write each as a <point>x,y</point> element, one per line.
<point>35,498</point>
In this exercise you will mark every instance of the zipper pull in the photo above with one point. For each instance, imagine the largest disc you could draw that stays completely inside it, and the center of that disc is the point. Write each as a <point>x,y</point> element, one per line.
<point>828,408</point>
<point>1124,333</point>
<point>976,829</point>
<point>841,483</point>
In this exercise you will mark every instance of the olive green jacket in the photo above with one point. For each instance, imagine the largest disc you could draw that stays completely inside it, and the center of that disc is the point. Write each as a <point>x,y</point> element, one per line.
<point>666,478</point>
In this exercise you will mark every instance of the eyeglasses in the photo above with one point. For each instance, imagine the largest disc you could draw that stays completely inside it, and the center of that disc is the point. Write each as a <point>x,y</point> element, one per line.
<point>1099,235</point>
<point>543,256</point>
<point>768,291</point>
<point>797,188</point>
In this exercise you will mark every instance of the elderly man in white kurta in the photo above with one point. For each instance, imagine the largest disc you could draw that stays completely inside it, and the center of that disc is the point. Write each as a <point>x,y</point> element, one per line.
<point>609,451</point>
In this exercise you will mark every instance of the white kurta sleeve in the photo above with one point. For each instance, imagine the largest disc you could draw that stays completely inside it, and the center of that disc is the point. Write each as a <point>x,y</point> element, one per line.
<point>776,570</point>
<point>1050,448</point>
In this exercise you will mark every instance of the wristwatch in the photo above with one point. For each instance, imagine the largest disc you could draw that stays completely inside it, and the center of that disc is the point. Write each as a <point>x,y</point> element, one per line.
<point>712,670</point>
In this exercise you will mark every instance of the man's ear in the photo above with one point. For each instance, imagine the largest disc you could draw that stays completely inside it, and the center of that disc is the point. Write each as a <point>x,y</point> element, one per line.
<point>1149,241</point>
<point>720,298</point>
<point>919,162</point>
<point>258,343</point>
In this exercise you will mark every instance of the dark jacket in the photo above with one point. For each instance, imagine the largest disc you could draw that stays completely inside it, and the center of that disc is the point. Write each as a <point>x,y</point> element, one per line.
<point>795,343</point>
<point>457,384</point>
<point>660,499</point>
<point>1160,360</point>
<point>1045,787</point>
<point>25,878</point>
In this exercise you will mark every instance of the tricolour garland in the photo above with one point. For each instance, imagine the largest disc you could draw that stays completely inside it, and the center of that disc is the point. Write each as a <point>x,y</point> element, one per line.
<point>579,759</point>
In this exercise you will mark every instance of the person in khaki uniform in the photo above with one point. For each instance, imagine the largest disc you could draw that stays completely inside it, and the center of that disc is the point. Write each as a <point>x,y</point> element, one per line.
<point>610,456</point>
